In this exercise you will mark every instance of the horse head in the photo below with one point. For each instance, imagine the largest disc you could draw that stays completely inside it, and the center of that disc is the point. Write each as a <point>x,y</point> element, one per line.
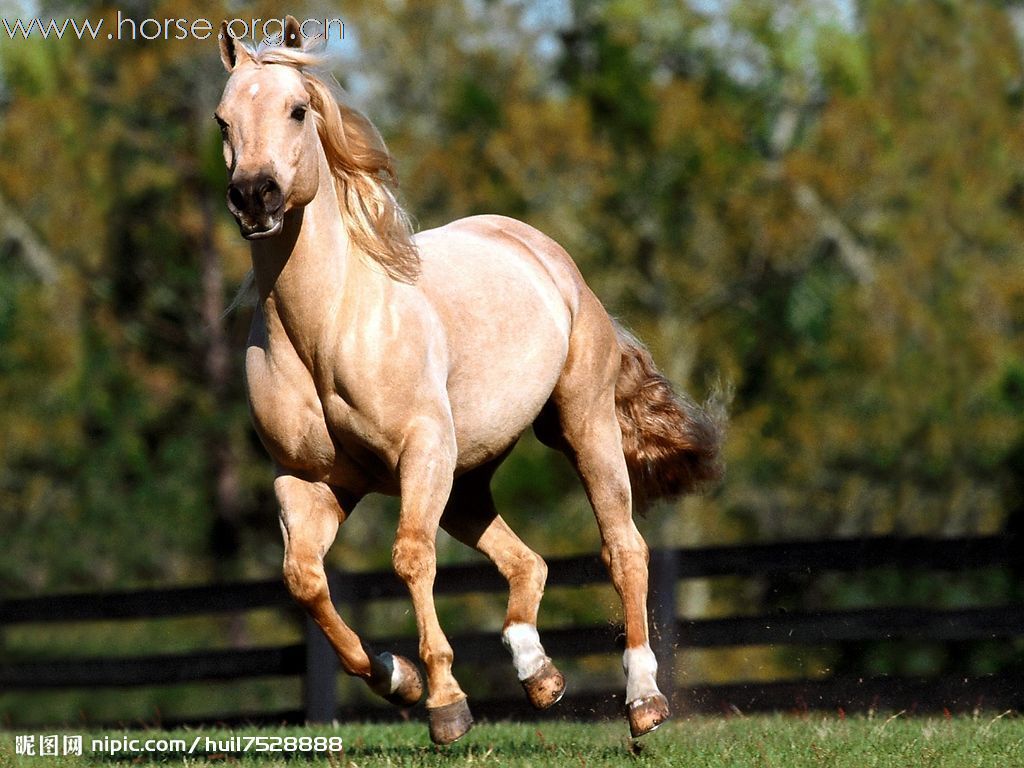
<point>270,139</point>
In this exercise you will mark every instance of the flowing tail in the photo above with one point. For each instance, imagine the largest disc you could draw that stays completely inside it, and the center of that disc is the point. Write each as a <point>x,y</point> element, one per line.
<point>672,445</point>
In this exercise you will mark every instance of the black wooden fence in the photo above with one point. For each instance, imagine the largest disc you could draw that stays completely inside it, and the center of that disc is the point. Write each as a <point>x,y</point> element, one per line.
<point>316,663</point>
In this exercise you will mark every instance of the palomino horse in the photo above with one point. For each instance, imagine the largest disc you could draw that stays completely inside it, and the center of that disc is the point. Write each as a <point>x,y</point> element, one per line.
<point>382,362</point>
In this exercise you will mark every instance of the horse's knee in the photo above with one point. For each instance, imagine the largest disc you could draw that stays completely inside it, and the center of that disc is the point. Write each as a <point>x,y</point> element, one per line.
<point>413,556</point>
<point>305,579</point>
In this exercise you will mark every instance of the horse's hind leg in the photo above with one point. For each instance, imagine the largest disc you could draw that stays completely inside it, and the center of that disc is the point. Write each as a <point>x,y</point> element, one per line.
<point>472,519</point>
<point>584,400</point>
<point>596,451</point>
<point>310,516</point>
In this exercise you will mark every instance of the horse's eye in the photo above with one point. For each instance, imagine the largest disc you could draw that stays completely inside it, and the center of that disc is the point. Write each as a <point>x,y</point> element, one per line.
<point>299,113</point>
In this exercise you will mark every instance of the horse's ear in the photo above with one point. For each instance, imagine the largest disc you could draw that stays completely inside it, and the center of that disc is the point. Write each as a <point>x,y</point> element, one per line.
<point>292,32</point>
<point>231,53</point>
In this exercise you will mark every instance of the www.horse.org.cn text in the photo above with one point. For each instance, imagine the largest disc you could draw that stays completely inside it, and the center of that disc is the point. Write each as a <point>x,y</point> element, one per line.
<point>123,27</point>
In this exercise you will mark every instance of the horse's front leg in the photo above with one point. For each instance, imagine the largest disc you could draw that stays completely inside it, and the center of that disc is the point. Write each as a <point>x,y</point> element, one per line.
<point>425,471</point>
<point>310,516</point>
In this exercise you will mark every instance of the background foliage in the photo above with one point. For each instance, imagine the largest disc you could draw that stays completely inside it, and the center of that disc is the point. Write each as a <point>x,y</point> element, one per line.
<point>817,204</point>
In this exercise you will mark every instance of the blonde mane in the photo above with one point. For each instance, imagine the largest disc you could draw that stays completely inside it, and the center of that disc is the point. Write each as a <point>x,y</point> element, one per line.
<point>364,175</point>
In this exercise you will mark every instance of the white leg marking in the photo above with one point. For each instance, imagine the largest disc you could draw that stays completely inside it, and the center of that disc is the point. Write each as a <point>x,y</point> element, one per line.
<point>641,672</point>
<point>528,655</point>
<point>388,661</point>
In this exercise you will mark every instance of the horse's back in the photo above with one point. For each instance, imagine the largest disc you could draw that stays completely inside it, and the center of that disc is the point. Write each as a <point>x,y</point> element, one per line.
<point>507,296</point>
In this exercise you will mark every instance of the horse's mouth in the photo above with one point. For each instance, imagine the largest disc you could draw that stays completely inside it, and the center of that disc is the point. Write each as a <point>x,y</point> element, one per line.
<point>260,231</point>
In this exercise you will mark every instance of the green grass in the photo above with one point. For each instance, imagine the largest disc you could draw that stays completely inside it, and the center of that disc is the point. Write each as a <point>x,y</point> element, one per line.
<point>786,742</point>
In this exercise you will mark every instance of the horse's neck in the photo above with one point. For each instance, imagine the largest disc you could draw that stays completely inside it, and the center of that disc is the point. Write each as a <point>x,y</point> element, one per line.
<point>300,273</point>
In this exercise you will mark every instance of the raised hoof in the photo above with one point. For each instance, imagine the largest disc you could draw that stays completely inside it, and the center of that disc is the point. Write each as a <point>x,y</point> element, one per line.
<point>410,683</point>
<point>450,722</point>
<point>545,687</point>
<point>646,714</point>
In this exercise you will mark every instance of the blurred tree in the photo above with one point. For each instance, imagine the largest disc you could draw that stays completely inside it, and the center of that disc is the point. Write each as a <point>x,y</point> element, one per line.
<point>126,189</point>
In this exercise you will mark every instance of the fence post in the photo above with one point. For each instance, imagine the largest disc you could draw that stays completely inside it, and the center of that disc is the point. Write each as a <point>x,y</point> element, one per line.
<point>319,690</point>
<point>663,591</point>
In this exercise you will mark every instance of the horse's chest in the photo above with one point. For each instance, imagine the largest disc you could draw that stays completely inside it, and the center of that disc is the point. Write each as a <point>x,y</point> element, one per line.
<point>287,414</point>
<point>305,432</point>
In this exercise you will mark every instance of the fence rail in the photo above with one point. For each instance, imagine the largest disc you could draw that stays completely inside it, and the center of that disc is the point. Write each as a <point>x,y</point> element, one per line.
<point>316,663</point>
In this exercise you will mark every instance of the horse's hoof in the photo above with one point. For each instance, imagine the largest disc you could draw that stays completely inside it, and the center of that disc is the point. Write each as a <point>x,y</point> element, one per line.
<point>400,681</point>
<point>646,714</point>
<point>545,687</point>
<point>450,722</point>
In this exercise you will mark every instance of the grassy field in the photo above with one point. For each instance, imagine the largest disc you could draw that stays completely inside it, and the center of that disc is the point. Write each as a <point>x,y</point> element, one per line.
<point>786,742</point>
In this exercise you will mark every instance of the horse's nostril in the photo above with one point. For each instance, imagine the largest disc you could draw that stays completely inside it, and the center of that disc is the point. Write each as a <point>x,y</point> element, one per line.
<point>270,194</point>
<point>236,198</point>
<point>267,187</point>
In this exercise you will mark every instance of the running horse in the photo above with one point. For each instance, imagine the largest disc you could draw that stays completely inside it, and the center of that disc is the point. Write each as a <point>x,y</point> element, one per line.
<point>379,361</point>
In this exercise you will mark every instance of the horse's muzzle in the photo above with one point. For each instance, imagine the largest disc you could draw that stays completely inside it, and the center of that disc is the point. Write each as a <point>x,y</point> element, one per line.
<point>257,205</point>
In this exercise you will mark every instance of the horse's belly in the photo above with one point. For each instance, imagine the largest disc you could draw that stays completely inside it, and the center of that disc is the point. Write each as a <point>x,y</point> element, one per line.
<point>504,294</point>
<point>497,392</point>
<point>485,431</point>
